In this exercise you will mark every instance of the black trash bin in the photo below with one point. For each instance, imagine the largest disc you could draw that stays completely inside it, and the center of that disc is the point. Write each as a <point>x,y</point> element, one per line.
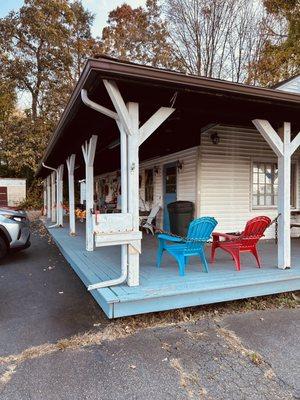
<point>181,213</point>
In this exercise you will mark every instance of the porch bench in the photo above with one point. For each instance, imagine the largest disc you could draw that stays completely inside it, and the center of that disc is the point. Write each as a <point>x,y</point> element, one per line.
<point>295,225</point>
<point>292,225</point>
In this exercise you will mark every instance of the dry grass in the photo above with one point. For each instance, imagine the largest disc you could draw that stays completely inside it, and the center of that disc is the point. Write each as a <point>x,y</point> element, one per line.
<point>256,358</point>
<point>194,314</point>
<point>188,381</point>
<point>125,327</point>
<point>235,343</point>
<point>115,330</point>
<point>7,375</point>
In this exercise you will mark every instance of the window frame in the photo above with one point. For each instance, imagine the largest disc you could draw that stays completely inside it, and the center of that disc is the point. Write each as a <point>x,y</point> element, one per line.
<point>294,201</point>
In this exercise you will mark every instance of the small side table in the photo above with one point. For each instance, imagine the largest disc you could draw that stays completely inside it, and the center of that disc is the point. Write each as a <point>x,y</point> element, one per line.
<point>292,225</point>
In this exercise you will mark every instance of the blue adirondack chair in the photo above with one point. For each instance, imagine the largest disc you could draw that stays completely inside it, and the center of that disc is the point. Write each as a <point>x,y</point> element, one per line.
<point>199,233</point>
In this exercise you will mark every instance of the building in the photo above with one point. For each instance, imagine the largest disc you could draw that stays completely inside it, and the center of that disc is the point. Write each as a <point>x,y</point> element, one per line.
<point>12,191</point>
<point>231,149</point>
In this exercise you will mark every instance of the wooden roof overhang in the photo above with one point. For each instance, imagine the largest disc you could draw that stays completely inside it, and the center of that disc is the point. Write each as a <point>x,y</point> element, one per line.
<point>198,103</point>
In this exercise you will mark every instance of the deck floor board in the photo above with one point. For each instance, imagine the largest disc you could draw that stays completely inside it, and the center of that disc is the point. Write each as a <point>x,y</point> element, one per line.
<point>164,284</point>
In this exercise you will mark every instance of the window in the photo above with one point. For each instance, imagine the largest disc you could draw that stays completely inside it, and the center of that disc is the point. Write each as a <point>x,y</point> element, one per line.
<point>171,179</point>
<point>265,184</point>
<point>149,185</point>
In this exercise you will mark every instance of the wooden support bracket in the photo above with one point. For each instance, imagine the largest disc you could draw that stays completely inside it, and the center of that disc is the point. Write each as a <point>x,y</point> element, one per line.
<point>270,135</point>
<point>89,150</point>
<point>120,106</point>
<point>282,146</point>
<point>154,122</point>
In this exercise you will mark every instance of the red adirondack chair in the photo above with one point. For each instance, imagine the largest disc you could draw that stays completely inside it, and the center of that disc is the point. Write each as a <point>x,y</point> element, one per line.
<point>243,242</point>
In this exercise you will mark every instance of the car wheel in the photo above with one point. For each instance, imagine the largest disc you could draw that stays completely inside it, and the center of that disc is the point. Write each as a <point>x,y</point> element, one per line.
<point>27,244</point>
<point>3,248</point>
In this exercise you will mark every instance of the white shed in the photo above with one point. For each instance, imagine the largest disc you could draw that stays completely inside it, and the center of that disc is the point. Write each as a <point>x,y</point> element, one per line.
<point>12,191</point>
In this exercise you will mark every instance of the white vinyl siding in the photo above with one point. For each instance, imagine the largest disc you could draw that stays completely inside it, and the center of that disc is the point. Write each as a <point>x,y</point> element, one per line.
<point>16,190</point>
<point>186,178</point>
<point>225,176</point>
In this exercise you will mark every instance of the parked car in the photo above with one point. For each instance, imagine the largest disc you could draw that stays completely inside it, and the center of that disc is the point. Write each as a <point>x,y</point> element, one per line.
<point>14,231</point>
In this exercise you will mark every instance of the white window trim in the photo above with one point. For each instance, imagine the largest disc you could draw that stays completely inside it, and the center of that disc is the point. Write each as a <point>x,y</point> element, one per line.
<point>275,161</point>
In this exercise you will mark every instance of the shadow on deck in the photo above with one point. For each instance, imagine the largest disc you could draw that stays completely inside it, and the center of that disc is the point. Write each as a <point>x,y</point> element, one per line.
<point>163,289</point>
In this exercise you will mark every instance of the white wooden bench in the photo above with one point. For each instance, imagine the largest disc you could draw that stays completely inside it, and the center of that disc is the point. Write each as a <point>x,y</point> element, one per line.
<point>115,229</point>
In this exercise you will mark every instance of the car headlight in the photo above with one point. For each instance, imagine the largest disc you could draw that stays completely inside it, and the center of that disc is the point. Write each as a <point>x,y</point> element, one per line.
<point>14,217</point>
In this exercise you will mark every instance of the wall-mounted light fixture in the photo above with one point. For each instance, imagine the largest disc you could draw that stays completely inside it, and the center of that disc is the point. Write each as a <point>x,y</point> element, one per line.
<point>156,170</point>
<point>179,165</point>
<point>215,138</point>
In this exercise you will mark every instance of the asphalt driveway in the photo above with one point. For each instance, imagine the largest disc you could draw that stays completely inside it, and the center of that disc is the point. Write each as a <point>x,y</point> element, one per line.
<point>41,298</point>
<point>55,343</point>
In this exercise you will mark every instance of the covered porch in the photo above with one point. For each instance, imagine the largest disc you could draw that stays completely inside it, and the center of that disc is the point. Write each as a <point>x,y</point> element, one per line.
<point>163,289</point>
<point>123,114</point>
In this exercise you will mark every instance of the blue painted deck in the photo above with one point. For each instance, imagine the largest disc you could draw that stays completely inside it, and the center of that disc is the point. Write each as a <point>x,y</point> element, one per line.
<point>163,289</point>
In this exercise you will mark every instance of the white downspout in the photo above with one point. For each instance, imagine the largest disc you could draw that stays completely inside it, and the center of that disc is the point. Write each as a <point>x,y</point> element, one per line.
<point>55,170</point>
<point>124,200</point>
<point>49,210</point>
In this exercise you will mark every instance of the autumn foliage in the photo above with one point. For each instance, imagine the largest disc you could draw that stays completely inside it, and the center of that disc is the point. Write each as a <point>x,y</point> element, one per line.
<point>280,56</point>
<point>44,45</point>
<point>140,35</point>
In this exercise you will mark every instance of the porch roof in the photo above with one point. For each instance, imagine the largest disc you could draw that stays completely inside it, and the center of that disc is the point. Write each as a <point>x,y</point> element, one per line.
<point>198,102</point>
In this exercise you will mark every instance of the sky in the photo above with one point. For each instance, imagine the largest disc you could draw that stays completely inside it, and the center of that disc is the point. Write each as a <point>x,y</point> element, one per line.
<point>100,8</point>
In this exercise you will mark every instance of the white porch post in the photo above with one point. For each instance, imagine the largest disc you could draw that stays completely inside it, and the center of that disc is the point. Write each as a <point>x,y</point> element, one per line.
<point>132,136</point>
<point>88,150</point>
<point>128,119</point>
<point>284,148</point>
<point>284,199</point>
<point>53,197</point>
<point>48,196</point>
<point>70,166</point>
<point>59,204</point>
<point>124,192</point>
<point>133,190</point>
<point>45,197</point>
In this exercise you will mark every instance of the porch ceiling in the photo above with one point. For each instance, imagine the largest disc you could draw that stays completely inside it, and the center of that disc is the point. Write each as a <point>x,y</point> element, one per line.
<point>198,102</point>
